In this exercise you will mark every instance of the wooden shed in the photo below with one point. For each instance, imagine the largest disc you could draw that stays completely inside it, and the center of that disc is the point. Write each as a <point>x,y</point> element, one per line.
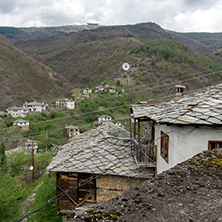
<point>96,166</point>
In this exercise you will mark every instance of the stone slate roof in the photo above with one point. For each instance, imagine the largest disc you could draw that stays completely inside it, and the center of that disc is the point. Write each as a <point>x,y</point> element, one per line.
<point>99,149</point>
<point>34,103</point>
<point>16,108</point>
<point>21,121</point>
<point>71,127</point>
<point>199,108</point>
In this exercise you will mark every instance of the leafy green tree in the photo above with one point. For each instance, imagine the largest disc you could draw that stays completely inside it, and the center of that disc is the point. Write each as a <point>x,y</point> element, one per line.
<point>3,164</point>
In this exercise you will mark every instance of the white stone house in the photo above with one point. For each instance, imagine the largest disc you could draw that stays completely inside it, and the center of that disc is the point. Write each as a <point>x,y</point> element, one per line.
<point>24,124</point>
<point>112,89</point>
<point>35,106</point>
<point>179,129</point>
<point>87,91</point>
<point>29,144</point>
<point>104,119</point>
<point>72,130</point>
<point>118,123</point>
<point>17,111</point>
<point>84,95</point>
<point>99,89</point>
<point>67,103</point>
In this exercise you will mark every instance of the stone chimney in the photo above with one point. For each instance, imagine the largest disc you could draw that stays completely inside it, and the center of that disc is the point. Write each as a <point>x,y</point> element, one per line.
<point>179,90</point>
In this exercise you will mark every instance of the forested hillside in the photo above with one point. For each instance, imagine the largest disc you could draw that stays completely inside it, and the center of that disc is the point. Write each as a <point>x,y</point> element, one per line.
<point>24,79</point>
<point>14,34</point>
<point>91,57</point>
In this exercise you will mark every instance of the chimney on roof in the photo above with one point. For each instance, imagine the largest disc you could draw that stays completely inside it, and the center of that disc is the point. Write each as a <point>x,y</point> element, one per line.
<point>179,90</point>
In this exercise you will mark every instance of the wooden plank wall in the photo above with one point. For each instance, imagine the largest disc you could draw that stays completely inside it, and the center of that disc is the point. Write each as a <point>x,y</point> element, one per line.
<point>70,200</point>
<point>67,181</point>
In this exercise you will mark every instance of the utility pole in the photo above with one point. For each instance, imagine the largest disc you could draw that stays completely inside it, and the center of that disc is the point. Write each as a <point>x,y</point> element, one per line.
<point>33,170</point>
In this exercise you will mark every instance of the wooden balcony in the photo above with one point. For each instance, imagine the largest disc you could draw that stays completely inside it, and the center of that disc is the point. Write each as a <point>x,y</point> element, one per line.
<point>145,154</point>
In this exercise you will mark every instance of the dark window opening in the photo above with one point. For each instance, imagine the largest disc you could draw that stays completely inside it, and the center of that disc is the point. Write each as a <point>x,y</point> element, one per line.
<point>164,146</point>
<point>214,145</point>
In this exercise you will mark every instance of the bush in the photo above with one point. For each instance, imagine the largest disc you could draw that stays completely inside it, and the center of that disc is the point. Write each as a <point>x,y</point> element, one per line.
<point>45,192</point>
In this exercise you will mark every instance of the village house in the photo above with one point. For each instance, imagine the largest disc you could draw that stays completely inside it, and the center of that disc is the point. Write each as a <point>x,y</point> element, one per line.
<point>111,89</point>
<point>35,106</point>
<point>179,129</point>
<point>66,103</point>
<point>84,95</point>
<point>179,90</point>
<point>96,166</point>
<point>29,145</point>
<point>118,123</point>
<point>72,130</point>
<point>87,91</point>
<point>104,119</point>
<point>24,124</point>
<point>99,89</point>
<point>17,111</point>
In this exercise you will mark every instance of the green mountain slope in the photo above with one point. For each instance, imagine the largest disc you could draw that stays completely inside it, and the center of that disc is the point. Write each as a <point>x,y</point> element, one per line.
<point>14,34</point>
<point>211,40</point>
<point>23,78</point>
<point>91,57</point>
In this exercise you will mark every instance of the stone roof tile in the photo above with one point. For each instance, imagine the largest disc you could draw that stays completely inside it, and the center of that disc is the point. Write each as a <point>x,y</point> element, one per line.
<point>107,153</point>
<point>196,108</point>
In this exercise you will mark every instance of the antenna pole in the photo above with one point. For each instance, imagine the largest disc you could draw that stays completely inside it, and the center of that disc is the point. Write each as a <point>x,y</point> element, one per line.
<point>129,114</point>
<point>126,67</point>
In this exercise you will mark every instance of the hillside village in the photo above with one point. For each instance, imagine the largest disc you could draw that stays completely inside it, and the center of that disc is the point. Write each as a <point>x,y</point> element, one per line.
<point>106,144</point>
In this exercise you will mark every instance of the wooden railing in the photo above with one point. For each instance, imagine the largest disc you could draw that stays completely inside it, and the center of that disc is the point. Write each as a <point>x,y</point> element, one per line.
<point>145,154</point>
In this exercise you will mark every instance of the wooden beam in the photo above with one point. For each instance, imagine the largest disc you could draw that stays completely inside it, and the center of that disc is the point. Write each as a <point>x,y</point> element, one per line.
<point>67,195</point>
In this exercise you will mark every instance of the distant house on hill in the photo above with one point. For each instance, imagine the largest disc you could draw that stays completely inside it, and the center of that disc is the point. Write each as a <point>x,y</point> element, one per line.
<point>35,106</point>
<point>179,129</point>
<point>112,89</point>
<point>29,145</point>
<point>93,24</point>
<point>99,89</point>
<point>87,91</point>
<point>99,164</point>
<point>119,124</point>
<point>72,130</point>
<point>104,119</point>
<point>24,124</point>
<point>84,95</point>
<point>67,103</point>
<point>17,111</point>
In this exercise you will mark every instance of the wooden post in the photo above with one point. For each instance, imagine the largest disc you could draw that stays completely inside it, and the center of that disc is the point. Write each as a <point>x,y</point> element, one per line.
<point>139,145</point>
<point>33,171</point>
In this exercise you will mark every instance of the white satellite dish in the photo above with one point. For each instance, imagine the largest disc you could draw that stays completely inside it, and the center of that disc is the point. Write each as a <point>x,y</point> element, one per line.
<point>31,168</point>
<point>125,66</point>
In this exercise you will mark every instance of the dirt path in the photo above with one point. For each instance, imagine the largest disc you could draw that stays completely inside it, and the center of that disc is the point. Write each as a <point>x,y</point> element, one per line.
<point>28,201</point>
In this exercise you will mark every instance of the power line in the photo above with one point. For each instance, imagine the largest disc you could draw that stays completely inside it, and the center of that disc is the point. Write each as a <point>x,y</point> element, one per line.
<point>115,107</point>
<point>150,100</point>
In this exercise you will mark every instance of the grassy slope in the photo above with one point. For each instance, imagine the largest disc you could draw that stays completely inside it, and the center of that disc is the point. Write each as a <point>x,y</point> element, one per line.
<point>23,78</point>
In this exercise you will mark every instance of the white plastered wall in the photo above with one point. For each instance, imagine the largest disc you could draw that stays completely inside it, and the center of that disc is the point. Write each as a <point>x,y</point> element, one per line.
<point>184,143</point>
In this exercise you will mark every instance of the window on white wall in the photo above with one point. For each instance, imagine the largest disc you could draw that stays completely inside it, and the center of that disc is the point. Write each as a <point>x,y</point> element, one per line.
<point>164,146</point>
<point>214,145</point>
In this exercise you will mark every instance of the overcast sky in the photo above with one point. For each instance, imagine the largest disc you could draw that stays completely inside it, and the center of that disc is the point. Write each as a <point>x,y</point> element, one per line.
<point>176,15</point>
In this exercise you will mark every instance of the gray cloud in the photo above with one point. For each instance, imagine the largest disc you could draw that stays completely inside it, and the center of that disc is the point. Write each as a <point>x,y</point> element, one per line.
<point>178,15</point>
<point>7,6</point>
